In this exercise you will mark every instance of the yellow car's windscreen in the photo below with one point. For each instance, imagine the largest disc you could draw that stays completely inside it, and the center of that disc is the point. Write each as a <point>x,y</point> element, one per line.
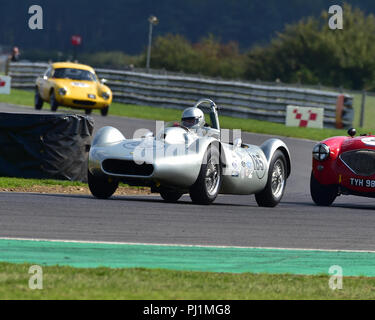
<point>74,74</point>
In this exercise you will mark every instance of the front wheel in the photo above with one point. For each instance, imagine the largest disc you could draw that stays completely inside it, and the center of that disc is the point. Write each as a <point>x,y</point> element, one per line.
<point>208,184</point>
<point>104,111</point>
<point>322,195</point>
<point>275,187</point>
<point>38,102</point>
<point>102,187</point>
<point>53,102</point>
<point>88,111</point>
<point>170,195</point>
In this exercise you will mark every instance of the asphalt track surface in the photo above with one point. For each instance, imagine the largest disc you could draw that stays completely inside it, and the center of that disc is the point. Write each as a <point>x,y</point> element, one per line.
<point>230,221</point>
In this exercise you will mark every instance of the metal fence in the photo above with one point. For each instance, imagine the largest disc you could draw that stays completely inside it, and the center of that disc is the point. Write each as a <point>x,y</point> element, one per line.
<point>235,98</point>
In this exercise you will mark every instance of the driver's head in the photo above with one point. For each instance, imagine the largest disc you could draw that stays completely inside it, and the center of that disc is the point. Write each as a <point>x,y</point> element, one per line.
<point>193,118</point>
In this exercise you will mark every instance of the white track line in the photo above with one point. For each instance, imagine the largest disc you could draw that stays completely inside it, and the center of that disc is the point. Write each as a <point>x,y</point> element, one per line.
<point>184,245</point>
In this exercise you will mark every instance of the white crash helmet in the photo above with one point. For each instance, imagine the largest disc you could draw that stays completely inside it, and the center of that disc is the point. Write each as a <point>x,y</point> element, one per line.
<point>193,118</point>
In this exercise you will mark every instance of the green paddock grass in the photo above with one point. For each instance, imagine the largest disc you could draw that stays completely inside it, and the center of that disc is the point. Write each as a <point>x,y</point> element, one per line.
<point>14,183</point>
<point>21,97</point>
<point>369,115</point>
<point>9,183</point>
<point>249,125</point>
<point>25,98</point>
<point>140,284</point>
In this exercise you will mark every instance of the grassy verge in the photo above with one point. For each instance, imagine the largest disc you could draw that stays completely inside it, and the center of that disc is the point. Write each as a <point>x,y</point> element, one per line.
<point>25,98</point>
<point>59,186</point>
<point>369,112</point>
<point>105,283</point>
<point>14,183</point>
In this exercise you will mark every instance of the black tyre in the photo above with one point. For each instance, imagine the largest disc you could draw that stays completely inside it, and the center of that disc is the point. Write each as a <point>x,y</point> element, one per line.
<point>170,195</point>
<point>38,101</point>
<point>53,102</point>
<point>102,187</point>
<point>208,184</point>
<point>104,111</point>
<point>322,195</point>
<point>88,111</point>
<point>275,188</point>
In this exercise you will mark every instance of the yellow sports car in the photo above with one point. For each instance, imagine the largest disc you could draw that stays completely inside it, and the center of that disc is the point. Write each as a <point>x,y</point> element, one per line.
<point>72,85</point>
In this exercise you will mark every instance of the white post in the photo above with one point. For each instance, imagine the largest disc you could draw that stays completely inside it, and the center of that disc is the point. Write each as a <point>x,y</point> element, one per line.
<point>149,46</point>
<point>153,21</point>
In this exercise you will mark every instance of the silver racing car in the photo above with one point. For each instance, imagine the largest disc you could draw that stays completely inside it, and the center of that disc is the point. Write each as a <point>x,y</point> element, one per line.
<point>190,156</point>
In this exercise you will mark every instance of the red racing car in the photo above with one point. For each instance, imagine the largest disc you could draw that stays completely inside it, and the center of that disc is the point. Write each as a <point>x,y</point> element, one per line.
<point>343,166</point>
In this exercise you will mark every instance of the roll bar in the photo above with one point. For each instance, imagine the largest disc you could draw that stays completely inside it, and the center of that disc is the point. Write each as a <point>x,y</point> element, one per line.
<point>213,111</point>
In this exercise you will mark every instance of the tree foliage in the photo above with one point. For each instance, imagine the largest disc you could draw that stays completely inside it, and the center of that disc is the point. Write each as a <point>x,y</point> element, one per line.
<point>307,52</point>
<point>110,59</point>
<point>209,37</point>
<point>123,25</point>
<point>310,52</point>
<point>207,57</point>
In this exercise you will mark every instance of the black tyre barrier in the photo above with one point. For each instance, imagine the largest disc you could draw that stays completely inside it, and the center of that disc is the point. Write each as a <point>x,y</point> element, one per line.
<point>45,146</point>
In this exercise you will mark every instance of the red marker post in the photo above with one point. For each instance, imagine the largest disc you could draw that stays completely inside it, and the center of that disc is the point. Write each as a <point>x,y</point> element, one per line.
<point>76,41</point>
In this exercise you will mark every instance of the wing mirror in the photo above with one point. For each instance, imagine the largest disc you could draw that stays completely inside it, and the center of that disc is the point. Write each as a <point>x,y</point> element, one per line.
<point>103,81</point>
<point>352,132</point>
<point>237,143</point>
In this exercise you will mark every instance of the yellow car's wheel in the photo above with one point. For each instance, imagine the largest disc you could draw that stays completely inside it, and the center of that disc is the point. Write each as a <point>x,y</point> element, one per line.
<point>53,102</point>
<point>88,111</point>
<point>38,100</point>
<point>104,111</point>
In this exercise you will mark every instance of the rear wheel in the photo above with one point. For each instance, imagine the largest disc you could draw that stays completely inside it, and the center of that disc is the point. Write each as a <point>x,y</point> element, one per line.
<point>38,102</point>
<point>104,111</point>
<point>208,184</point>
<point>53,102</point>
<point>322,195</point>
<point>102,187</point>
<point>170,195</point>
<point>274,190</point>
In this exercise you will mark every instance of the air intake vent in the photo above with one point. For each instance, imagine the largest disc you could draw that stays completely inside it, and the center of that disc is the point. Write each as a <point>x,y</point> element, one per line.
<point>84,102</point>
<point>361,162</point>
<point>127,167</point>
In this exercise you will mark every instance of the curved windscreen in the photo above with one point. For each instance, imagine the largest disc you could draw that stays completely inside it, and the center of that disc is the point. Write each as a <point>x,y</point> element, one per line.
<point>74,74</point>
<point>172,124</point>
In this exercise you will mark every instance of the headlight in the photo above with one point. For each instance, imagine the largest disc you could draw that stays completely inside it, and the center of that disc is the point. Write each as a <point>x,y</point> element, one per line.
<point>106,95</point>
<point>91,96</point>
<point>321,152</point>
<point>62,91</point>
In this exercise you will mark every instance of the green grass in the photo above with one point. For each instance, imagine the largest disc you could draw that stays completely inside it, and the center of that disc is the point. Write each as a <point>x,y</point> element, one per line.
<point>105,283</point>
<point>14,183</point>
<point>8,183</point>
<point>369,115</point>
<point>249,125</point>
<point>21,97</point>
<point>25,98</point>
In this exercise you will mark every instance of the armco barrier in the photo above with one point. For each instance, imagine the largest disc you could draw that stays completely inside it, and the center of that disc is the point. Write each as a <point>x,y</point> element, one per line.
<point>235,98</point>
<point>45,146</point>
